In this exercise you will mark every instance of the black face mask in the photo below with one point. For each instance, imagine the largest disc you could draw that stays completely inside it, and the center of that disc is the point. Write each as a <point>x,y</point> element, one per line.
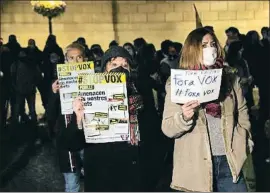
<point>122,70</point>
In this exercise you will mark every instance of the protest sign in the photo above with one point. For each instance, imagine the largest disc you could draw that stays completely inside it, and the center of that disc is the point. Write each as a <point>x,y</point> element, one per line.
<point>106,117</point>
<point>67,76</point>
<point>201,85</point>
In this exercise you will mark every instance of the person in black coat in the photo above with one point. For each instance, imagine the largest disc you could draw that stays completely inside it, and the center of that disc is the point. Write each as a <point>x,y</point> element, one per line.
<point>113,166</point>
<point>5,78</point>
<point>155,144</point>
<point>48,66</point>
<point>96,55</point>
<point>6,89</point>
<point>258,61</point>
<point>25,76</point>
<point>14,47</point>
<point>9,57</point>
<point>33,50</point>
<point>82,41</point>
<point>70,154</point>
<point>131,50</point>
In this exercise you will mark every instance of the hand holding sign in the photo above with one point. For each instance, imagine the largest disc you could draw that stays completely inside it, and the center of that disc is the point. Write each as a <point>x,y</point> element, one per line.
<point>55,86</point>
<point>188,109</point>
<point>78,108</point>
<point>201,85</point>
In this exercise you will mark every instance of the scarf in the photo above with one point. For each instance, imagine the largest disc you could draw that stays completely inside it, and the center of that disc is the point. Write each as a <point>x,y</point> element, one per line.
<point>72,156</point>
<point>135,103</point>
<point>212,108</point>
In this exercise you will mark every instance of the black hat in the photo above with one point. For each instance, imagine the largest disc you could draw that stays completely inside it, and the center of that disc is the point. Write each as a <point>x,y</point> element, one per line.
<point>113,52</point>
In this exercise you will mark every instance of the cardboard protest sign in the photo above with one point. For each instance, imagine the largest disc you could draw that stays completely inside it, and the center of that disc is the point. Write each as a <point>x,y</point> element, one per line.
<point>106,117</point>
<point>201,85</point>
<point>67,76</point>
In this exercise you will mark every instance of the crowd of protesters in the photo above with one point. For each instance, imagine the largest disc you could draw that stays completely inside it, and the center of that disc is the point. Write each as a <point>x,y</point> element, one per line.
<point>187,140</point>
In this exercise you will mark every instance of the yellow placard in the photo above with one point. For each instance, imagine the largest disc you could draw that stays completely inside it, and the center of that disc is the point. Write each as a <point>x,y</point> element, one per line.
<point>101,78</point>
<point>75,67</point>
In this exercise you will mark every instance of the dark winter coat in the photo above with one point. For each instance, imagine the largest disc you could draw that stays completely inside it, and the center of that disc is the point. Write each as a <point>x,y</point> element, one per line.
<point>25,75</point>
<point>48,68</point>
<point>14,50</point>
<point>65,149</point>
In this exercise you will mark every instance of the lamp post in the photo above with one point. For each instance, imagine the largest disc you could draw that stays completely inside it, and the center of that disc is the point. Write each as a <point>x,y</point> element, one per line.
<point>50,24</point>
<point>49,9</point>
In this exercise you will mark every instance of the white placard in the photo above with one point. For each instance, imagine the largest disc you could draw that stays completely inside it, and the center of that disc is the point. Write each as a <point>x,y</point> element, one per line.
<point>201,85</point>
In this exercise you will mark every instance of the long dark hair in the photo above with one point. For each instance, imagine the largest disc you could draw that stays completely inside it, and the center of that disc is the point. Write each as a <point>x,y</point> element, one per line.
<point>252,38</point>
<point>146,57</point>
<point>233,51</point>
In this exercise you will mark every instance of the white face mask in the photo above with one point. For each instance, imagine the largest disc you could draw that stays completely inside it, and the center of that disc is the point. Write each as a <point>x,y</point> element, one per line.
<point>209,56</point>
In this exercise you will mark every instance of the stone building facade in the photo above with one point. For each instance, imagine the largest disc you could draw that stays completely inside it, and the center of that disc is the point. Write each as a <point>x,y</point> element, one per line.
<point>99,22</point>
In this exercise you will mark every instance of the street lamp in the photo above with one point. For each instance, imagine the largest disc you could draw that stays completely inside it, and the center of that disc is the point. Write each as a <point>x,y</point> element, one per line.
<point>49,9</point>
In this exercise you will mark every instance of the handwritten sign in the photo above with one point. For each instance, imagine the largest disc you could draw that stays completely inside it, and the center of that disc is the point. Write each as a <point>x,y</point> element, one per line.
<point>201,85</point>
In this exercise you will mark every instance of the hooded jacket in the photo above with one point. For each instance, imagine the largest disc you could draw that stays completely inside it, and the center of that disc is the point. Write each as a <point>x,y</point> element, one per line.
<point>113,52</point>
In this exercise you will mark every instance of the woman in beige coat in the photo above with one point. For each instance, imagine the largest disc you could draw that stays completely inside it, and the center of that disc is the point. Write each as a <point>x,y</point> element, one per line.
<point>212,140</point>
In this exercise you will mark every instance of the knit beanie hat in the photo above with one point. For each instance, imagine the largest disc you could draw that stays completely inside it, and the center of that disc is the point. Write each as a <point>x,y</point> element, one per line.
<point>113,52</point>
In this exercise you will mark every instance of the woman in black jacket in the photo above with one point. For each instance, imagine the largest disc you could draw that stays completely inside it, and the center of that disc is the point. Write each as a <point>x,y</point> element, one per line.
<point>113,166</point>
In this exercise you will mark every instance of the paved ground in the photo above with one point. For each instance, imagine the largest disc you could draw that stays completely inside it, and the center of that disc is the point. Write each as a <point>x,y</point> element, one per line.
<point>41,174</point>
<point>25,166</point>
<point>37,171</point>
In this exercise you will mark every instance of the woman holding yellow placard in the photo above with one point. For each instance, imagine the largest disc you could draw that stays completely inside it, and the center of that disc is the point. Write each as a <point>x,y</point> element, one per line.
<point>111,166</point>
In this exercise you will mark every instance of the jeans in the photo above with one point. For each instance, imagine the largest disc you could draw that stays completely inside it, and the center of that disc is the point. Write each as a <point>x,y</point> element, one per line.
<point>72,179</point>
<point>223,181</point>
